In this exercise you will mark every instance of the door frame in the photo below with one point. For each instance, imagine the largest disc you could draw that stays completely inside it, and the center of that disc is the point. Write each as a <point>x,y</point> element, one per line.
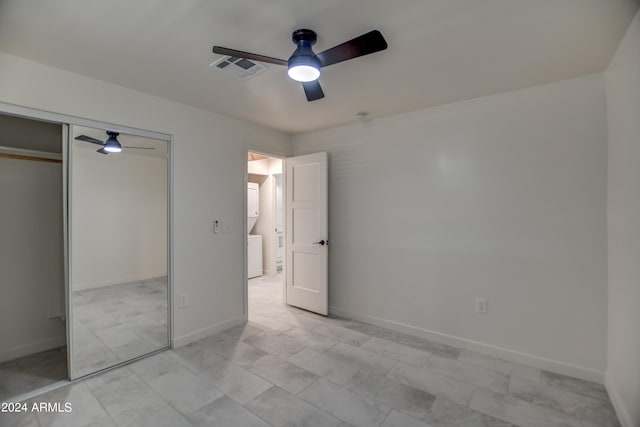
<point>245,232</point>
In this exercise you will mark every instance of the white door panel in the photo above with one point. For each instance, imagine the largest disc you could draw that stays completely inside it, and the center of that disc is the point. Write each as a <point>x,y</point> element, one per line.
<point>307,229</point>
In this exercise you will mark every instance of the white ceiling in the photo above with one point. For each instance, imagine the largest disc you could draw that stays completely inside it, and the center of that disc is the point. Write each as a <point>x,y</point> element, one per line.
<point>440,51</point>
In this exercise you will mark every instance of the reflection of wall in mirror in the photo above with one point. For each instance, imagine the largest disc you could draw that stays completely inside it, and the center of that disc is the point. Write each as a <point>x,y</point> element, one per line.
<point>119,217</point>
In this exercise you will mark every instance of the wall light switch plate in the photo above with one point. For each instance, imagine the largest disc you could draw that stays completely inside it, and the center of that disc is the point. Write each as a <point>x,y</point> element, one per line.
<point>481,305</point>
<point>216,226</point>
<point>226,226</point>
<point>183,300</point>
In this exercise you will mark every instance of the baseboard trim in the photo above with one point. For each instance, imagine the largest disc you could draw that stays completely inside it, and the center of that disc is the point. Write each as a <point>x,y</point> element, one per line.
<point>119,281</point>
<point>467,344</point>
<point>616,400</point>
<point>206,332</point>
<point>32,348</point>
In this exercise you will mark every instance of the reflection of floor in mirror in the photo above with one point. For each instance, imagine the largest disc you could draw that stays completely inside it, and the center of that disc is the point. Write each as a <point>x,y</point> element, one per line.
<point>31,372</point>
<point>117,323</point>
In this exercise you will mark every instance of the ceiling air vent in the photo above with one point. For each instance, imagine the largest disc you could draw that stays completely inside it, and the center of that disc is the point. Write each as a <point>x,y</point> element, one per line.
<point>238,67</point>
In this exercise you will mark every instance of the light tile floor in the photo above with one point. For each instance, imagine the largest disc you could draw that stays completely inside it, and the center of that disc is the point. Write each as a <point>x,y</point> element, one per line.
<point>113,324</point>
<point>31,372</point>
<point>288,367</point>
<point>116,323</point>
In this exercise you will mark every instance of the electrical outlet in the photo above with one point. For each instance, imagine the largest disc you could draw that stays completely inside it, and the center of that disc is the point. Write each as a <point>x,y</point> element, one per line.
<point>481,305</point>
<point>183,300</point>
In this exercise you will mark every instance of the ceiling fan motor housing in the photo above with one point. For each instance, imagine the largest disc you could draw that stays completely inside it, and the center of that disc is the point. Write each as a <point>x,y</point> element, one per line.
<point>304,55</point>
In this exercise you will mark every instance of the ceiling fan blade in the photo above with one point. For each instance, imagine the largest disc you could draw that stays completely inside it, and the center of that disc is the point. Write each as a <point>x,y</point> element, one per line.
<point>371,42</point>
<point>102,151</point>
<point>313,90</point>
<point>86,138</point>
<point>254,56</point>
<point>139,148</point>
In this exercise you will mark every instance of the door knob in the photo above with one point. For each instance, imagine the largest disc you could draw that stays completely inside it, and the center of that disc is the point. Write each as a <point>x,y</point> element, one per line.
<point>321,243</point>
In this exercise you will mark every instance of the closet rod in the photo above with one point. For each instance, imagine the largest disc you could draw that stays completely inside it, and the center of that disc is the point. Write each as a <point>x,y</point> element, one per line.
<point>32,158</point>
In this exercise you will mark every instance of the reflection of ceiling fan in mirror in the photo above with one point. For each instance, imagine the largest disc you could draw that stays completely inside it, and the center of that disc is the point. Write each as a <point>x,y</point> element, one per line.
<point>111,145</point>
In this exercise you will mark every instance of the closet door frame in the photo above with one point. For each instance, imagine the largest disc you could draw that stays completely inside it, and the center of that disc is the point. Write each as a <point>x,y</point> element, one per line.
<point>65,121</point>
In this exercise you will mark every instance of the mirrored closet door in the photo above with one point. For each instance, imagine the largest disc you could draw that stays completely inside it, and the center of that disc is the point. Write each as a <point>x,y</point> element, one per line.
<point>118,247</point>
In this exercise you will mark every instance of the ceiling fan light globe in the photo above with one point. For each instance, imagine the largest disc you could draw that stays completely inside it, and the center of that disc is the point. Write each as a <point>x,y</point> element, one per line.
<point>112,145</point>
<point>112,148</point>
<point>304,73</point>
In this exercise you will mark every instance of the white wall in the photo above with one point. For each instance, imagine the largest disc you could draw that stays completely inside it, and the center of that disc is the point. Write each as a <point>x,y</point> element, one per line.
<point>623,108</point>
<point>119,217</point>
<point>31,257</point>
<point>502,197</point>
<point>208,182</point>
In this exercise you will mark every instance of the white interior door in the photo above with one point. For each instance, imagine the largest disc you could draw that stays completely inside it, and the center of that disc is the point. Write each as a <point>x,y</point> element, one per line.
<point>307,229</point>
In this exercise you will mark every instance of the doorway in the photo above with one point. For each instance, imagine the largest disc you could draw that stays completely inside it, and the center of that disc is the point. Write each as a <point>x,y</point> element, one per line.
<point>265,234</point>
<point>290,201</point>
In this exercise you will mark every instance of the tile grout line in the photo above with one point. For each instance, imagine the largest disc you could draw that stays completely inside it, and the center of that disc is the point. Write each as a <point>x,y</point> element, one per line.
<point>295,395</point>
<point>249,409</point>
<point>308,386</point>
<point>319,408</point>
<point>99,402</point>
<point>387,416</point>
<point>169,403</point>
<point>284,360</point>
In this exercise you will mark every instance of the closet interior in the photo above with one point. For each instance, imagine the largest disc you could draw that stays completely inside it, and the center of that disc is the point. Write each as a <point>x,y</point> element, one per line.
<point>33,332</point>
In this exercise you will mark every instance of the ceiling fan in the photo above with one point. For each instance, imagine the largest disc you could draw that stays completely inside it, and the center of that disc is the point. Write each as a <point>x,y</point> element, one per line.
<point>111,145</point>
<point>304,65</point>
